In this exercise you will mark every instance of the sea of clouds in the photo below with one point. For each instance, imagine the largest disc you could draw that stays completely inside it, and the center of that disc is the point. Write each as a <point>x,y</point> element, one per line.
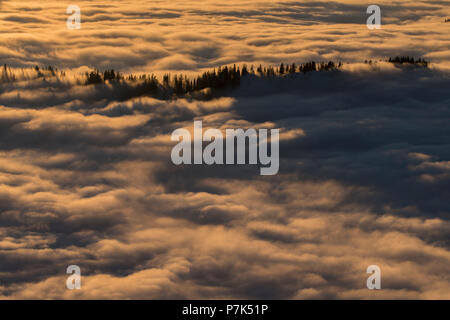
<point>186,35</point>
<point>364,178</point>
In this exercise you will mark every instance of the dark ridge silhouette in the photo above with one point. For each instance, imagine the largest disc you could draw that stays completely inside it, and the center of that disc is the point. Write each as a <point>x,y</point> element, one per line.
<point>409,60</point>
<point>97,77</point>
<point>47,71</point>
<point>7,75</point>
<point>204,86</point>
<point>217,79</point>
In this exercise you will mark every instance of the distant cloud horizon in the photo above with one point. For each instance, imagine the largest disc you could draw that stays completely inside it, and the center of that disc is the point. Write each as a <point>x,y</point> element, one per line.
<point>86,177</point>
<point>190,36</point>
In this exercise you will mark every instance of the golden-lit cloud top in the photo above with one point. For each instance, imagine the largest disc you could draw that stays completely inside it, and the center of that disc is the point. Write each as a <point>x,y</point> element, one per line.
<point>86,176</point>
<point>158,36</point>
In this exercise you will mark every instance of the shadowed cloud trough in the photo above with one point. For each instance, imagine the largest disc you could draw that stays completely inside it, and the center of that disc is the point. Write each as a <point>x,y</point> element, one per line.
<point>86,177</point>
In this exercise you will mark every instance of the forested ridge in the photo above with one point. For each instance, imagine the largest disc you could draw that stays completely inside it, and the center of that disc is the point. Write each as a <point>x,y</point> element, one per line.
<point>179,85</point>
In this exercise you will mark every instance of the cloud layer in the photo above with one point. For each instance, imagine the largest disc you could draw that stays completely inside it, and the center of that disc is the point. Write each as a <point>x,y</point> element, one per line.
<point>364,179</point>
<point>86,178</point>
<point>190,36</point>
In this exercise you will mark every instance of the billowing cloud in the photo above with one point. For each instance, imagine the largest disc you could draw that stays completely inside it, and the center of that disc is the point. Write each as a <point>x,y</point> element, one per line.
<point>86,176</point>
<point>190,36</point>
